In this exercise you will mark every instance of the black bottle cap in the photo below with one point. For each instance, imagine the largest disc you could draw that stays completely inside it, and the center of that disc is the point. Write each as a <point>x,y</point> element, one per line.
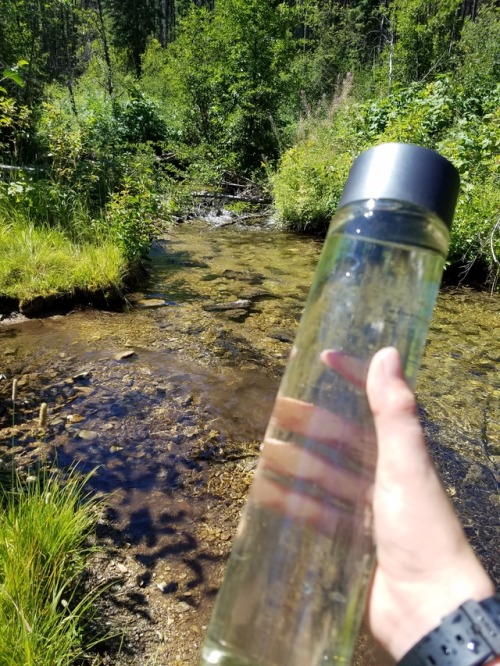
<point>404,172</point>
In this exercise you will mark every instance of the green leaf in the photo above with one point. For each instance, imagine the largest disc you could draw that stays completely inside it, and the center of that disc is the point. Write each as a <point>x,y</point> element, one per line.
<point>22,63</point>
<point>13,76</point>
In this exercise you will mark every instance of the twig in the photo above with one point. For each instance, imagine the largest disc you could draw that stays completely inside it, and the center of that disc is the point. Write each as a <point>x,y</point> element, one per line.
<point>495,259</point>
<point>497,225</point>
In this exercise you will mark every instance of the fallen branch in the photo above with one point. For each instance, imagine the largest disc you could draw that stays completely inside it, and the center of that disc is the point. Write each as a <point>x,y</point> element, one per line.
<point>232,197</point>
<point>8,167</point>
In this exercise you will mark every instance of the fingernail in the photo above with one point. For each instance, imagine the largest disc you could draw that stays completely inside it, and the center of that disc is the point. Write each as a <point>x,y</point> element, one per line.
<point>390,363</point>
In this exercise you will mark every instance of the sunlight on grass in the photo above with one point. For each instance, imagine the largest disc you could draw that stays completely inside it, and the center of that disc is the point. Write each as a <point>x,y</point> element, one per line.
<point>44,262</point>
<point>43,530</point>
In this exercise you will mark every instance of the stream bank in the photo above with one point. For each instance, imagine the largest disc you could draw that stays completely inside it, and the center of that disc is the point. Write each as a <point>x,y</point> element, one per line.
<point>170,400</point>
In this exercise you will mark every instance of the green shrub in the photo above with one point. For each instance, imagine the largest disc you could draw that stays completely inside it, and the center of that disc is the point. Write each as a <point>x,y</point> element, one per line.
<point>440,115</point>
<point>132,212</point>
<point>310,176</point>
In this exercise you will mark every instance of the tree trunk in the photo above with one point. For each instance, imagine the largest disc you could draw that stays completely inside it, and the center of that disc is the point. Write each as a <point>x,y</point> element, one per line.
<point>105,47</point>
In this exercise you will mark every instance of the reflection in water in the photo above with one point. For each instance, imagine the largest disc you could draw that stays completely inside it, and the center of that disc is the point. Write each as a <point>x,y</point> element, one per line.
<point>175,428</point>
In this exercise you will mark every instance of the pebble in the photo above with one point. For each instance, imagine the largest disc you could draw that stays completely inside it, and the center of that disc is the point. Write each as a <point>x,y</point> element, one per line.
<point>84,374</point>
<point>88,435</point>
<point>124,354</point>
<point>85,390</point>
<point>74,418</point>
<point>151,303</point>
<point>121,567</point>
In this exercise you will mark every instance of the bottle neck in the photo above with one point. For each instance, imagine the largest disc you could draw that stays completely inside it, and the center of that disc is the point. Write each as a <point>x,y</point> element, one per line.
<point>392,222</point>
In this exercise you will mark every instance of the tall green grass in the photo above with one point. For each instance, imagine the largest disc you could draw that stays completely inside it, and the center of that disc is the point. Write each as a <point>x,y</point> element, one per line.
<point>44,261</point>
<point>43,530</point>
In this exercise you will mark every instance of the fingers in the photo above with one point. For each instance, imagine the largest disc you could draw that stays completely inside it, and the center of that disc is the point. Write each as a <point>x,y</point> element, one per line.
<point>316,466</point>
<point>349,367</point>
<point>316,423</point>
<point>309,469</point>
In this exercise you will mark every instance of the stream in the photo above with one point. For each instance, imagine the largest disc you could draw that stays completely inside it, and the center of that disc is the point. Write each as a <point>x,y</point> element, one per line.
<point>168,401</point>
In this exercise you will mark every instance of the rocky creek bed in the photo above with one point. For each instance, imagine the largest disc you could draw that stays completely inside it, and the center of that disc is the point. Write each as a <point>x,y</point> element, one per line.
<point>169,400</point>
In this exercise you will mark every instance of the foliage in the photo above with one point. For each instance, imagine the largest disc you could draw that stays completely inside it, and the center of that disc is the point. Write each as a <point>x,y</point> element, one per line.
<point>311,174</point>
<point>43,530</point>
<point>438,115</point>
<point>479,58</point>
<point>224,78</point>
<point>132,211</point>
<point>424,34</point>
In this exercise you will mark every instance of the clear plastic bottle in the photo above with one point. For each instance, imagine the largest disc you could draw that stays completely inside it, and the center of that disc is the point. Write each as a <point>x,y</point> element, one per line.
<point>295,584</point>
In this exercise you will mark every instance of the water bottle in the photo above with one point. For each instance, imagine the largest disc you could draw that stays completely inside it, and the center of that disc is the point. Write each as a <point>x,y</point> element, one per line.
<point>295,585</point>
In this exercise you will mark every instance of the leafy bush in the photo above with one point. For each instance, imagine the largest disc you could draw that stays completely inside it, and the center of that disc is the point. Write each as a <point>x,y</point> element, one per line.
<point>132,211</point>
<point>439,115</point>
<point>225,79</point>
<point>310,176</point>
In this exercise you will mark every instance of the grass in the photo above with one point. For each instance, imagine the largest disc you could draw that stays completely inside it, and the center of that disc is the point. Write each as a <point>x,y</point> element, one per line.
<point>43,261</point>
<point>43,530</point>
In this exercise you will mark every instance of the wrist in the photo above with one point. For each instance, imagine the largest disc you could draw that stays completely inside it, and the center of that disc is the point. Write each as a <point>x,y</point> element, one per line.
<point>468,636</point>
<point>428,615</point>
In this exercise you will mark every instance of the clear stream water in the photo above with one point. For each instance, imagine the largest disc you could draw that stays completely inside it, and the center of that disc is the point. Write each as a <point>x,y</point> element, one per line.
<point>171,402</point>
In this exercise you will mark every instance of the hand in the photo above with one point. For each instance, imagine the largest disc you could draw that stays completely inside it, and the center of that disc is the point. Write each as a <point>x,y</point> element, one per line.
<point>425,565</point>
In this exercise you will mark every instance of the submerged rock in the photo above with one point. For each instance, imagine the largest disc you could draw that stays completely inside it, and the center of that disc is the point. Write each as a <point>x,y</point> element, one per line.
<point>240,304</point>
<point>151,303</point>
<point>124,354</point>
<point>88,435</point>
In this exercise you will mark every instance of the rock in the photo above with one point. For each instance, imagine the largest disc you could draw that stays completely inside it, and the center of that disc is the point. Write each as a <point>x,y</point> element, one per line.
<point>85,390</point>
<point>84,374</point>
<point>124,354</point>
<point>121,568</point>
<point>88,435</point>
<point>243,276</point>
<point>74,418</point>
<point>240,304</point>
<point>151,303</point>
<point>163,587</point>
<point>236,315</point>
<point>282,336</point>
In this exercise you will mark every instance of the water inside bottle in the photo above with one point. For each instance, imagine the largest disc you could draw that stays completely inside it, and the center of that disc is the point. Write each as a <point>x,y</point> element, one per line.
<point>293,594</point>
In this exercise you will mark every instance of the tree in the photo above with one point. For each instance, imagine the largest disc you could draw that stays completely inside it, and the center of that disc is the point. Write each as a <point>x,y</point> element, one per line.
<point>228,76</point>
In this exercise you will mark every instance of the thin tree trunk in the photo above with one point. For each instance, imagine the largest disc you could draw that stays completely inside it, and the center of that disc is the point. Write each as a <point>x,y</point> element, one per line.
<point>391,60</point>
<point>106,49</point>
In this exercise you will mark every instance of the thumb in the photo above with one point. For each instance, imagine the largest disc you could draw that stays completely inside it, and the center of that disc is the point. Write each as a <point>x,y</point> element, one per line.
<point>402,454</point>
<point>416,528</point>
